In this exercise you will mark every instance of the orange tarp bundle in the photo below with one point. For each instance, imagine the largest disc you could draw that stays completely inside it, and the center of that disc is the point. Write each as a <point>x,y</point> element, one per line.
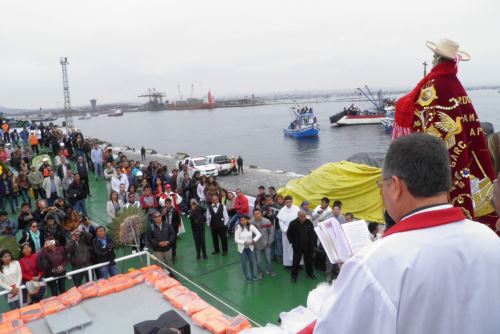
<point>8,326</point>
<point>51,305</point>
<point>218,324</point>
<point>202,317</point>
<point>149,268</point>
<point>32,312</point>
<point>137,276</point>
<point>121,282</point>
<point>9,316</point>
<point>153,275</point>
<point>71,297</point>
<point>174,292</point>
<point>238,324</point>
<point>166,283</point>
<point>88,290</point>
<point>104,287</point>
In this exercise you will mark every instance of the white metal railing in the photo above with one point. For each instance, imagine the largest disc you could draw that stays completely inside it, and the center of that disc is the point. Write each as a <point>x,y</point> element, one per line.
<point>86,269</point>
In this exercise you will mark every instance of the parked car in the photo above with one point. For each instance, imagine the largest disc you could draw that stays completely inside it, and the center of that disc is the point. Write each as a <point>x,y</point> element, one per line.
<point>221,162</point>
<point>200,164</point>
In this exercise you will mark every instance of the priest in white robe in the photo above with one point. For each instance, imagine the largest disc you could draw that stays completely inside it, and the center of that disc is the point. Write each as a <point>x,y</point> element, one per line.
<point>434,271</point>
<point>288,213</point>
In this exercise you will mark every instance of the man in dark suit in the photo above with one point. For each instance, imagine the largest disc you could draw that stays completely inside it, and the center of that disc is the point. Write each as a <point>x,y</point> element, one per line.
<point>62,169</point>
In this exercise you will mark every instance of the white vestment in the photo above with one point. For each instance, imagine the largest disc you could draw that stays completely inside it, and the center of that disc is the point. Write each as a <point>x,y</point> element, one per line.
<point>285,216</point>
<point>442,279</point>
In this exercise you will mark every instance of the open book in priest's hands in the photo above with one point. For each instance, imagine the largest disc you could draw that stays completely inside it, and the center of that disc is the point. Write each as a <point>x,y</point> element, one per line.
<point>341,241</point>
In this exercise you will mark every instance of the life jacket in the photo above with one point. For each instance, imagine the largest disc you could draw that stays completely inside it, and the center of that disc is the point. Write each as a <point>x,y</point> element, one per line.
<point>9,316</point>
<point>121,282</point>
<point>88,290</point>
<point>33,139</point>
<point>136,276</point>
<point>238,324</point>
<point>194,305</point>
<point>203,316</point>
<point>51,305</point>
<point>10,325</point>
<point>71,297</point>
<point>166,283</point>
<point>104,287</point>
<point>31,312</point>
<point>218,324</point>
<point>153,275</point>
<point>183,300</point>
<point>151,267</point>
<point>174,292</point>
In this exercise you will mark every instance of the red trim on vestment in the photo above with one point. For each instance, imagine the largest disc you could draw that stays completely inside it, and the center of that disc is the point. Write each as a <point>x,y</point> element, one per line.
<point>427,219</point>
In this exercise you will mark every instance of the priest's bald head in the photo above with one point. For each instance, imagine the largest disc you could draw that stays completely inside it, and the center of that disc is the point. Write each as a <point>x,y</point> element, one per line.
<point>416,173</point>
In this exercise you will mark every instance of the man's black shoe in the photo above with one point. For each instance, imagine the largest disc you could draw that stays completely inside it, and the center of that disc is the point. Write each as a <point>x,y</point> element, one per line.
<point>312,276</point>
<point>213,253</point>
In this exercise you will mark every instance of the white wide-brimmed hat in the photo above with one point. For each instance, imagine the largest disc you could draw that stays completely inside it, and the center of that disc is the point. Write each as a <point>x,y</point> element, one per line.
<point>448,49</point>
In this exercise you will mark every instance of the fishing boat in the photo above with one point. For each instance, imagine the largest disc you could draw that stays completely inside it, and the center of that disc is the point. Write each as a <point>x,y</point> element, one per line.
<point>388,121</point>
<point>86,116</point>
<point>354,115</point>
<point>305,123</point>
<point>118,112</point>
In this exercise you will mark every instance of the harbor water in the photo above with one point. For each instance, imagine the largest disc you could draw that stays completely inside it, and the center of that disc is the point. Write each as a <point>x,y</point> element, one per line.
<point>256,133</point>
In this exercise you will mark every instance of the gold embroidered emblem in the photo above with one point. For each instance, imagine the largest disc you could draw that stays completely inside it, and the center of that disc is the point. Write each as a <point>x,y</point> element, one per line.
<point>451,127</point>
<point>427,95</point>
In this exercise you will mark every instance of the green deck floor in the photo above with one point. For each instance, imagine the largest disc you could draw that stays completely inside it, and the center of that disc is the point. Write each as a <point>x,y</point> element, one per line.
<point>262,301</point>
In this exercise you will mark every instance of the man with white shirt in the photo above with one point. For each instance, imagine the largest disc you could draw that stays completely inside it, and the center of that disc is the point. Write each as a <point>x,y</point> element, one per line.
<point>118,179</point>
<point>287,213</point>
<point>97,157</point>
<point>131,201</point>
<point>217,219</point>
<point>322,211</point>
<point>434,271</point>
<point>62,169</point>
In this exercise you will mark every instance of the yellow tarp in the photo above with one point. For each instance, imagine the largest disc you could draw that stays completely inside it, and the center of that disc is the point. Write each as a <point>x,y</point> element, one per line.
<point>352,183</point>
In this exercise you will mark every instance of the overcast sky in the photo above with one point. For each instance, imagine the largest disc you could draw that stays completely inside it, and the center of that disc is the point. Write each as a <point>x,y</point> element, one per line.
<point>117,49</point>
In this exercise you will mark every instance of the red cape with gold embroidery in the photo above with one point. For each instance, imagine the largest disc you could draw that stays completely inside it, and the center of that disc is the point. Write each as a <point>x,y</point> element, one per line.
<point>439,106</point>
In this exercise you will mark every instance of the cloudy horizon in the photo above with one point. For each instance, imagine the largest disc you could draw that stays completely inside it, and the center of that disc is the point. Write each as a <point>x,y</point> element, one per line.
<point>117,50</point>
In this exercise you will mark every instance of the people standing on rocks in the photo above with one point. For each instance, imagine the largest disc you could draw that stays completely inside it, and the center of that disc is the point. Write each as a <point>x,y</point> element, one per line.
<point>240,164</point>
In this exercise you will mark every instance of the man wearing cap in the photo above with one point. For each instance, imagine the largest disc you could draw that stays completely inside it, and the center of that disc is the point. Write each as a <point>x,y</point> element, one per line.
<point>45,167</point>
<point>434,271</point>
<point>440,106</point>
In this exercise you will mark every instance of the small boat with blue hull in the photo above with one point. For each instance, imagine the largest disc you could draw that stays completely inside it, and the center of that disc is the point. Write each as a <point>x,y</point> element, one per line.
<point>305,123</point>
